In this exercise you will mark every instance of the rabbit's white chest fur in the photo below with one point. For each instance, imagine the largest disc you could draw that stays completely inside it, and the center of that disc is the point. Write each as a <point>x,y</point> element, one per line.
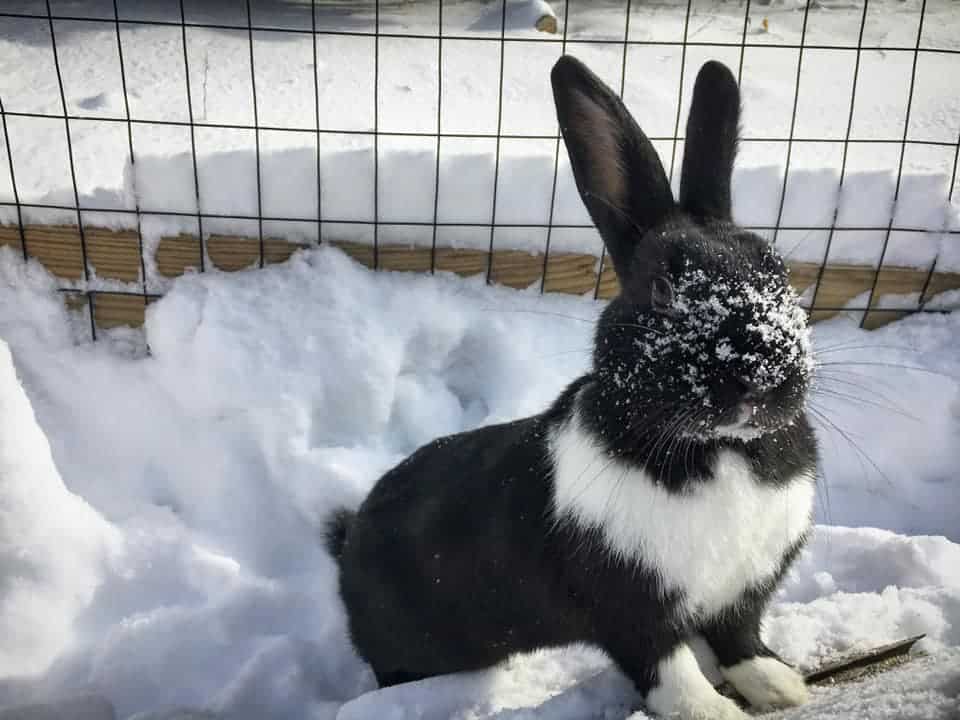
<point>711,543</point>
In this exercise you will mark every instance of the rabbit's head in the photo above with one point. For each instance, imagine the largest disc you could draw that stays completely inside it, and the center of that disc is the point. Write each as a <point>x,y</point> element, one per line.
<point>706,339</point>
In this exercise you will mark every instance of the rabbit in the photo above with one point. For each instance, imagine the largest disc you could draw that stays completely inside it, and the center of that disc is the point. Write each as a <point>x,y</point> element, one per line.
<point>662,496</point>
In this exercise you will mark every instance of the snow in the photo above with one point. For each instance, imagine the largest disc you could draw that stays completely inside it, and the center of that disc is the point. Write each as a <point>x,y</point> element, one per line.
<point>77,707</point>
<point>189,485</point>
<point>53,545</point>
<point>160,511</point>
<point>396,182</point>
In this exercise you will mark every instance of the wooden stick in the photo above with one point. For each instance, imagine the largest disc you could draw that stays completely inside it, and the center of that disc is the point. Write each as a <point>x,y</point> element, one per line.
<point>861,660</point>
<point>836,670</point>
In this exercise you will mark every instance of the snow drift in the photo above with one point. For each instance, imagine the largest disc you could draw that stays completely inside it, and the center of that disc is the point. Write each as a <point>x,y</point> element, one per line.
<point>270,397</point>
<point>53,546</point>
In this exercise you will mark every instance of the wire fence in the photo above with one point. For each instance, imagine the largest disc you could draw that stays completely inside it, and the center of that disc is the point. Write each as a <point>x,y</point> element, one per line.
<point>321,21</point>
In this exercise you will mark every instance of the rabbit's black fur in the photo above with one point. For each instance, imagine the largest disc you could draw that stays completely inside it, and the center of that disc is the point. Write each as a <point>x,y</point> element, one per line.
<point>486,543</point>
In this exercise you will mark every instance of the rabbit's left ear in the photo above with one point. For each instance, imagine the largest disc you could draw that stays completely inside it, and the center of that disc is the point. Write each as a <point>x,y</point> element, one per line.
<point>711,144</point>
<point>616,168</point>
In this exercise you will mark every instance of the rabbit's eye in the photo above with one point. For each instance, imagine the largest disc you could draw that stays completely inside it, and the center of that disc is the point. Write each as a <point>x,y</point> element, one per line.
<point>661,295</point>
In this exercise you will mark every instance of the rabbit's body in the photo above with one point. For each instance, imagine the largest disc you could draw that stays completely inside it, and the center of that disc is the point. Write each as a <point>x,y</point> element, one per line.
<point>526,536</point>
<point>662,496</point>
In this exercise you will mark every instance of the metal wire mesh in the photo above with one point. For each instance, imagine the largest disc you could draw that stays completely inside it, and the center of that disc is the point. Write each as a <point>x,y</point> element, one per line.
<point>183,21</point>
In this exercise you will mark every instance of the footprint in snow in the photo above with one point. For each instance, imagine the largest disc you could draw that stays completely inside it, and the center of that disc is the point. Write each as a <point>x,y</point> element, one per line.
<point>94,102</point>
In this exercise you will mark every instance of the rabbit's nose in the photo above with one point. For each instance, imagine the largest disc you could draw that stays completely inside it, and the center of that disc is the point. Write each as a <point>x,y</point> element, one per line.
<point>747,390</point>
<point>745,412</point>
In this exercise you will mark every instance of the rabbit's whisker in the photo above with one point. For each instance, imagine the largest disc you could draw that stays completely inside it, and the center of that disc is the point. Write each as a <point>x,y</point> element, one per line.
<point>897,366</point>
<point>826,379</point>
<point>821,415</point>
<point>842,347</point>
<point>830,393</point>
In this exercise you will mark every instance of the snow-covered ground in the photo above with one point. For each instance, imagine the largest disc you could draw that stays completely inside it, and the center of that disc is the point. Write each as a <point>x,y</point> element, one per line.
<point>403,96</point>
<point>160,514</point>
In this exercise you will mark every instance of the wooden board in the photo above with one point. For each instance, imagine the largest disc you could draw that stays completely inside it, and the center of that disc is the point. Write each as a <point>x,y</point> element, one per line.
<point>569,273</point>
<point>10,237</point>
<point>516,269</point>
<point>407,258</point>
<point>853,668</point>
<point>941,282</point>
<point>360,252</point>
<point>57,247</point>
<point>463,262</point>
<point>175,255</point>
<point>609,284</point>
<point>233,253</point>
<point>115,254</point>
<point>113,309</point>
<point>803,276</point>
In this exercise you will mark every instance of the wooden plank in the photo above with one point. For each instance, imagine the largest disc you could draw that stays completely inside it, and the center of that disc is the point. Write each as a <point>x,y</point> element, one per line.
<point>407,258</point>
<point>361,252</point>
<point>463,262</point>
<point>898,281</point>
<point>803,275</point>
<point>57,247</point>
<point>175,255</point>
<point>878,318</point>
<point>942,282</point>
<point>113,254</point>
<point>850,669</point>
<point>840,284</point>
<point>75,300</point>
<point>894,281</point>
<point>609,284</point>
<point>516,269</point>
<point>10,237</point>
<point>843,669</point>
<point>571,273</point>
<point>113,309</point>
<point>231,253</point>
<point>277,250</point>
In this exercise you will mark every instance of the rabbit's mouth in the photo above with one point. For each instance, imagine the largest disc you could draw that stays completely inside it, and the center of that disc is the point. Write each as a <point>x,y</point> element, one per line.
<point>751,419</point>
<point>743,424</point>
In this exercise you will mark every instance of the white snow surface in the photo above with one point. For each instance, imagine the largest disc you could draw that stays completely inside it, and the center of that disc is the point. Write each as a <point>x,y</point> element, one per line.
<point>160,513</point>
<point>396,181</point>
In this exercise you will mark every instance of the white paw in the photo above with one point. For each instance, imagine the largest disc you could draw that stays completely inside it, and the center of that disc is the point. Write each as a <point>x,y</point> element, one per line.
<point>698,707</point>
<point>684,693</point>
<point>767,683</point>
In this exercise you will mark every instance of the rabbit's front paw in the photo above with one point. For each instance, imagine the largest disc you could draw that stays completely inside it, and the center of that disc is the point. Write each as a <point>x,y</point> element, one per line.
<point>684,693</point>
<point>708,706</point>
<point>767,683</point>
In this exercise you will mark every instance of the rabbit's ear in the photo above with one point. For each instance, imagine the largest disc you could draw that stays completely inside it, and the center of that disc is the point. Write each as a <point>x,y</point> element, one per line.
<point>711,144</point>
<point>616,169</point>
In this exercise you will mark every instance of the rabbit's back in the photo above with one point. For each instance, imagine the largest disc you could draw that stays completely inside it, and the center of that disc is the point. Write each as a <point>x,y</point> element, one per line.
<point>448,565</point>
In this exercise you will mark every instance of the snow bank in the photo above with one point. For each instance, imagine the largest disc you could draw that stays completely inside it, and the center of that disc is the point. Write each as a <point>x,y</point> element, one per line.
<point>406,182</point>
<point>271,397</point>
<point>53,545</point>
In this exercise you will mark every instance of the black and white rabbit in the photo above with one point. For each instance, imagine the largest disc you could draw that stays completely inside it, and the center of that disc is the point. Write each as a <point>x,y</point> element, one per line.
<point>661,497</point>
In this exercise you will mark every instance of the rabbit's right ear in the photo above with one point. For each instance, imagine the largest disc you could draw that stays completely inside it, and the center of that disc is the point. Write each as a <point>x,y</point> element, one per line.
<point>617,170</point>
<point>711,145</point>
